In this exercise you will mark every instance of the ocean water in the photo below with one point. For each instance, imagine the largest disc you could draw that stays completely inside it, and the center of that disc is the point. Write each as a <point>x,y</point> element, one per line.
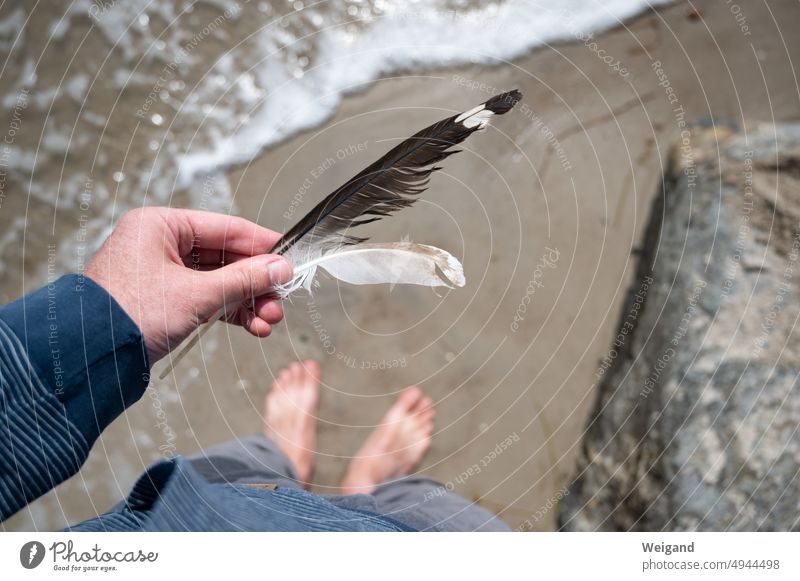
<point>113,104</point>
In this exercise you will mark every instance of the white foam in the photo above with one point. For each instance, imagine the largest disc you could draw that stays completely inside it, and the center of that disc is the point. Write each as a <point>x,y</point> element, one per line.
<point>404,36</point>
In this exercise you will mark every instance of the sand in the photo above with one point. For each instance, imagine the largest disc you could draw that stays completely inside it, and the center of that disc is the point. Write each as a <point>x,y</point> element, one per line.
<point>545,210</point>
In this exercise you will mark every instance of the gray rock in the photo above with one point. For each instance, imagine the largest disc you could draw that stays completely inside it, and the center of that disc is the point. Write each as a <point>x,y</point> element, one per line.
<point>696,422</point>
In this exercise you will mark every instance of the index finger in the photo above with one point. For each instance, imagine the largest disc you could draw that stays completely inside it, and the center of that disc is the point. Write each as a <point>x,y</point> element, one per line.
<point>230,233</point>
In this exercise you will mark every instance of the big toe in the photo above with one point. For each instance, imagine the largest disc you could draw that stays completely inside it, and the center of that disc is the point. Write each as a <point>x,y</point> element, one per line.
<point>309,382</point>
<point>408,400</point>
<point>311,370</point>
<point>296,386</point>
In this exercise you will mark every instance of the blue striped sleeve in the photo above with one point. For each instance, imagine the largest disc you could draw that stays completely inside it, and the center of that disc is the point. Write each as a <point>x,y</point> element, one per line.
<point>71,360</point>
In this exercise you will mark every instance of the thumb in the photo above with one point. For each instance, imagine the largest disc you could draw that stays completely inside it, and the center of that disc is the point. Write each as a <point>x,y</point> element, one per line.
<point>245,279</point>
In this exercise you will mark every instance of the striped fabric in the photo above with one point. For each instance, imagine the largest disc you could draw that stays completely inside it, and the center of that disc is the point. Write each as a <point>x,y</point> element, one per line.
<point>39,446</point>
<point>71,361</point>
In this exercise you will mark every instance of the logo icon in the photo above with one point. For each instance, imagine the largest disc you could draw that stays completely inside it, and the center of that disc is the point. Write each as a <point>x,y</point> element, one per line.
<point>31,554</point>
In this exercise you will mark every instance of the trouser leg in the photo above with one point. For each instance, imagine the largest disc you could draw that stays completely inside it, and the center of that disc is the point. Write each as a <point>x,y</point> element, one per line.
<point>252,460</point>
<point>425,504</point>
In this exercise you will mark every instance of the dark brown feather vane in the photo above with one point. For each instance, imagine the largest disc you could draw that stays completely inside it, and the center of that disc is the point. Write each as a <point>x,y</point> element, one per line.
<point>391,183</point>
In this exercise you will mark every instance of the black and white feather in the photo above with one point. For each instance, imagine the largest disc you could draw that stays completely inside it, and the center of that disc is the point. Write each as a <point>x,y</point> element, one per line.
<point>322,238</point>
<point>389,184</point>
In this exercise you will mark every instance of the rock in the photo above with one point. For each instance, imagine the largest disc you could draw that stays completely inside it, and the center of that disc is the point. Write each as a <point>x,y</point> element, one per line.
<point>696,422</point>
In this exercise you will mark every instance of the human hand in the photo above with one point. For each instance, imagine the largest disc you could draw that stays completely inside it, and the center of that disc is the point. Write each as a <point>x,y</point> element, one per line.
<point>165,268</point>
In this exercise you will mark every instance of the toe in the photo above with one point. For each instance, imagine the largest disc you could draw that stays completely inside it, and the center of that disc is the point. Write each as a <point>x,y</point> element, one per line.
<point>403,406</point>
<point>409,398</point>
<point>283,378</point>
<point>290,374</point>
<point>426,416</point>
<point>312,369</point>
<point>427,428</point>
<point>424,405</point>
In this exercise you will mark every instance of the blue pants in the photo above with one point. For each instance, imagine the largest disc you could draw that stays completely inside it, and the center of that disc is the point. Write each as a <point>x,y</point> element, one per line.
<point>419,502</point>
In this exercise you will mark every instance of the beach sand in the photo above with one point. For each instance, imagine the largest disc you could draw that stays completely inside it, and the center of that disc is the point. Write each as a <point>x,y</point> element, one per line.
<point>545,209</point>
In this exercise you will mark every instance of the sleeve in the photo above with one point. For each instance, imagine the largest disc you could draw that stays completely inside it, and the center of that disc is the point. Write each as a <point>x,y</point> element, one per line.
<point>71,361</point>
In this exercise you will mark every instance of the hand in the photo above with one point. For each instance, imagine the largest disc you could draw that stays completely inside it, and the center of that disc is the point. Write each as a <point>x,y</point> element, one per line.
<point>165,268</point>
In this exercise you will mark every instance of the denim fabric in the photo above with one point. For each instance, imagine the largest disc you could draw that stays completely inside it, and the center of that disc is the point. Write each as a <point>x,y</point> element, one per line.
<point>416,501</point>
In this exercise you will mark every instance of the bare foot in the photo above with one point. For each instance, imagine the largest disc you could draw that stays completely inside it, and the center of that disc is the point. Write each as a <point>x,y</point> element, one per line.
<point>396,446</point>
<point>290,414</point>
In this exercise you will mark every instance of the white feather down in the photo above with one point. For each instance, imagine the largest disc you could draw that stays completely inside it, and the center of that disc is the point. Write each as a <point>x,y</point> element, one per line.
<point>392,263</point>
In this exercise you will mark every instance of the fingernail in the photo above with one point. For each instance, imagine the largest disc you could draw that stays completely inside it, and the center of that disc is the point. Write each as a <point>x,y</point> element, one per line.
<point>280,271</point>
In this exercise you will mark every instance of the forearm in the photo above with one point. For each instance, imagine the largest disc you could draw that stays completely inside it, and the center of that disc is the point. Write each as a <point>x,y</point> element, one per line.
<point>71,361</point>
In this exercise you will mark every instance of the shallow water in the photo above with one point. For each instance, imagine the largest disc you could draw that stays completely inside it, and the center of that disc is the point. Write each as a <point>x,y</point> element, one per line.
<point>110,105</point>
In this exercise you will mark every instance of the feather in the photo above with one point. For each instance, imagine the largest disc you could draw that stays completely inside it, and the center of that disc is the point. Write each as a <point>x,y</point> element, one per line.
<point>392,263</point>
<point>389,184</point>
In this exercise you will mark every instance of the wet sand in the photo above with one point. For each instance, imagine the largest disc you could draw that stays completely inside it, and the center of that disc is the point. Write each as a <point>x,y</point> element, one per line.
<point>545,210</point>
